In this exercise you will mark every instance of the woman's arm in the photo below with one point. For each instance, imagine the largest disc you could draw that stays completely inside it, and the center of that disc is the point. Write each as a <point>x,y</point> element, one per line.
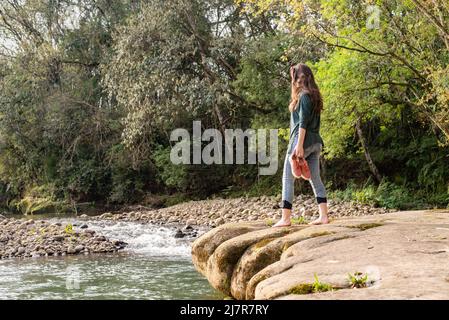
<point>305,109</point>
<point>299,150</point>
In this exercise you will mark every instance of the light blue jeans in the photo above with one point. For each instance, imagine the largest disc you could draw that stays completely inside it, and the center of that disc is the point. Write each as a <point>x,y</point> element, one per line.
<point>312,156</point>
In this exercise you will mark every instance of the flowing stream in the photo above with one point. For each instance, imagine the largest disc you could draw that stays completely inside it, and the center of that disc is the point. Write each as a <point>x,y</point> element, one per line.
<point>154,265</point>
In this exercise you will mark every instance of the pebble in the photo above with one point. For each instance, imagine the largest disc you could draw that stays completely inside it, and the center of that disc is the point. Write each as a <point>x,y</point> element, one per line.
<point>179,234</point>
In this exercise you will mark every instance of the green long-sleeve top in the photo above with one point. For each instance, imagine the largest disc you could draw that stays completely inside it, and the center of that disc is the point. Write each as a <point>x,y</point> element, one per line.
<point>304,116</point>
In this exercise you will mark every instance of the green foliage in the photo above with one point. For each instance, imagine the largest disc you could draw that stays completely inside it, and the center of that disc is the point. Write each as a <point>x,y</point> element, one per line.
<point>319,286</point>
<point>299,220</point>
<point>308,288</point>
<point>176,198</point>
<point>390,195</point>
<point>173,176</point>
<point>69,229</point>
<point>358,280</point>
<point>39,199</point>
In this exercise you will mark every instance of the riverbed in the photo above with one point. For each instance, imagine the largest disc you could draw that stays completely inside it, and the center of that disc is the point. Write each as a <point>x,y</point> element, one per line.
<point>154,265</point>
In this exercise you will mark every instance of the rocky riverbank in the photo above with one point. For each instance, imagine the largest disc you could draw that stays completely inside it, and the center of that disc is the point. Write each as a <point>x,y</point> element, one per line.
<point>215,212</point>
<point>33,238</point>
<point>20,238</point>
<point>399,255</point>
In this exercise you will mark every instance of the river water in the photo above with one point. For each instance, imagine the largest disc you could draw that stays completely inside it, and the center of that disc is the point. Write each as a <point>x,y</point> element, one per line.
<point>154,265</point>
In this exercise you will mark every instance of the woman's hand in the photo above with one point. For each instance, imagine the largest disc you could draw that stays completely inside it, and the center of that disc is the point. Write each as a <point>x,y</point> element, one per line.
<point>299,151</point>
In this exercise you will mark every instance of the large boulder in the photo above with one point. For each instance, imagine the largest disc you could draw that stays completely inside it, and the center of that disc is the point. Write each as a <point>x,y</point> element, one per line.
<point>404,255</point>
<point>205,246</point>
<point>221,263</point>
<point>267,252</point>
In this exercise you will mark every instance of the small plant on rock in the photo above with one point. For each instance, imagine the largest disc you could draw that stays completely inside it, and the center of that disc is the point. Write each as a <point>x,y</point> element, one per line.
<point>269,222</point>
<point>319,286</point>
<point>299,220</point>
<point>69,229</point>
<point>358,280</point>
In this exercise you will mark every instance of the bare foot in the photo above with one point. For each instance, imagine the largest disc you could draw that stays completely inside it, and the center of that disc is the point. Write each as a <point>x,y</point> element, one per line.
<point>320,220</point>
<point>282,223</point>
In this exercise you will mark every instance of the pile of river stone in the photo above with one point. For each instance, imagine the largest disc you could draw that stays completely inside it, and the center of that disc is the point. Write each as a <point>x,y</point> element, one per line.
<point>30,238</point>
<point>215,212</point>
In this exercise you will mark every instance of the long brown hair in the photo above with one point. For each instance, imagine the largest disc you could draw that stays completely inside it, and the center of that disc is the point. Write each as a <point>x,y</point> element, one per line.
<point>303,82</point>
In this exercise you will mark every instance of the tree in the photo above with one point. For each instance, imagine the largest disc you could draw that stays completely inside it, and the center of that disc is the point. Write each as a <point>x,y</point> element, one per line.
<point>175,61</point>
<point>52,105</point>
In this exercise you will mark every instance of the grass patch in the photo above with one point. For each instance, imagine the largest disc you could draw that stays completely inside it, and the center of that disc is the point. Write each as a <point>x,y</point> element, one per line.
<point>299,220</point>
<point>303,288</point>
<point>315,287</point>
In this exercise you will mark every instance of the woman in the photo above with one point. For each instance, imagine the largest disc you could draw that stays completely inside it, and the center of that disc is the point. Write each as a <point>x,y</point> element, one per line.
<point>305,141</point>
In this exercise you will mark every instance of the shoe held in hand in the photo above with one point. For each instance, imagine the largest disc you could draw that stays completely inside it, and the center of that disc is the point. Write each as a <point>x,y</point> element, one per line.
<point>300,168</point>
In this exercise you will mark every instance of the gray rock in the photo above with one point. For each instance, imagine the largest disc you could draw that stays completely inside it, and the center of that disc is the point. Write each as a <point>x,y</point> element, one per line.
<point>179,234</point>
<point>90,233</point>
<point>58,238</point>
<point>119,244</point>
<point>100,238</point>
<point>106,215</point>
<point>71,250</point>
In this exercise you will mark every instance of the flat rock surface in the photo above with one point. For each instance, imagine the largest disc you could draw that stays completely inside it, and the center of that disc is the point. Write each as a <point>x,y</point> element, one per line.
<point>405,255</point>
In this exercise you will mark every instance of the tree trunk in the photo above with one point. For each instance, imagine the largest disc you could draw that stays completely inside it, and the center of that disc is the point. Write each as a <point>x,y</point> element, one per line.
<point>369,160</point>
